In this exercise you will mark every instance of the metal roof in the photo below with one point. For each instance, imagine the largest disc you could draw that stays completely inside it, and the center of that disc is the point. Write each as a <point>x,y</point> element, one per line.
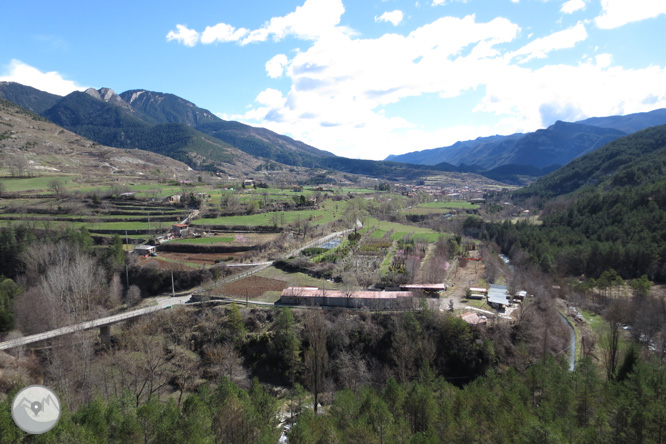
<point>498,294</point>
<point>425,286</point>
<point>312,292</point>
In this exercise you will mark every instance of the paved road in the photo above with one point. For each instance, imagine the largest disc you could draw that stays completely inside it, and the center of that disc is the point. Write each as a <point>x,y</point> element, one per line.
<point>162,303</point>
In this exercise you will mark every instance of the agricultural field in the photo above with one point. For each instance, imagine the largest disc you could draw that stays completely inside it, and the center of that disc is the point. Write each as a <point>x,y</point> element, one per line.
<point>399,230</point>
<point>315,217</point>
<point>439,208</point>
<point>384,248</point>
<point>254,288</point>
<point>36,185</point>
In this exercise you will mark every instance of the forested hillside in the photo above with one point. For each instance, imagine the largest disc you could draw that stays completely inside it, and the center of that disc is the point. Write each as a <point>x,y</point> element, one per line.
<point>606,210</point>
<point>28,97</point>
<point>545,404</point>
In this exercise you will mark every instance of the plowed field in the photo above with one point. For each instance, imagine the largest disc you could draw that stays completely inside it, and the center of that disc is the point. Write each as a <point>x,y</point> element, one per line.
<point>252,287</point>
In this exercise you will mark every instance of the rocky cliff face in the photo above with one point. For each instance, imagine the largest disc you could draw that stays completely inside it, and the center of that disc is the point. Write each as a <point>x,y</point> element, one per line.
<point>167,108</point>
<point>109,96</point>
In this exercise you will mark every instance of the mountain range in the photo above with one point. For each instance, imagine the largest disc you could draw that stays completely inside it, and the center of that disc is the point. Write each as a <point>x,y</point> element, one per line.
<point>169,125</point>
<point>547,148</point>
<point>172,126</point>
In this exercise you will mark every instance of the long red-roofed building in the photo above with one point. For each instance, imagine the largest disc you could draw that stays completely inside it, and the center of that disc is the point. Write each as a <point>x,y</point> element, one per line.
<point>380,300</point>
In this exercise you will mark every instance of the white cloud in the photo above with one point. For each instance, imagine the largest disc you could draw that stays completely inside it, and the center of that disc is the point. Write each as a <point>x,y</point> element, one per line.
<point>344,86</point>
<point>314,19</point>
<point>184,35</point>
<point>443,2</point>
<point>271,98</point>
<point>572,6</point>
<point>275,66</point>
<point>393,17</point>
<point>341,84</point>
<point>616,13</point>
<point>530,99</point>
<point>222,33</point>
<point>52,81</point>
<point>603,60</point>
<point>540,48</point>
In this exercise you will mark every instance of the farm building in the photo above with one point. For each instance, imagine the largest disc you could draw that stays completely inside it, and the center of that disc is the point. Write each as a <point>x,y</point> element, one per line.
<point>144,250</point>
<point>498,296</point>
<point>478,293</point>
<point>379,300</point>
<point>179,229</point>
<point>429,289</point>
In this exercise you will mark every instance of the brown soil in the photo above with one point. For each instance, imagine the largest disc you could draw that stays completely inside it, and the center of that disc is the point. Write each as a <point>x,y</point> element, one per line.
<point>253,286</point>
<point>196,258</point>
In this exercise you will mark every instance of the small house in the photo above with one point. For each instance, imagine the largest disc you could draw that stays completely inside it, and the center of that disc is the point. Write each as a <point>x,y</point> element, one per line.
<point>179,229</point>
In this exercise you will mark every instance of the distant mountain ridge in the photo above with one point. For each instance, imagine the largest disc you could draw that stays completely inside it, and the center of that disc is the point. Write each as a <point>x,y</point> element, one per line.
<point>172,126</point>
<point>556,145</point>
<point>169,125</point>
<point>28,97</point>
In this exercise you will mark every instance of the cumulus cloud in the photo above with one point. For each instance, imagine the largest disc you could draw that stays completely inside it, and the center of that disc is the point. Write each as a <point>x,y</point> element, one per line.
<point>184,35</point>
<point>540,48</point>
<point>51,81</point>
<point>313,20</point>
<point>221,33</point>
<point>275,66</point>
<point>616,13</point>
<point>393,17</point>
<point>589,89</point>
<point>344,88</point>
<point>572,6</point>
<point>346,81</point>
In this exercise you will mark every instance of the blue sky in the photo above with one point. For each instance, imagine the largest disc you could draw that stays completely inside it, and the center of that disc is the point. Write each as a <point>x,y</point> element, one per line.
<point>362,79</point>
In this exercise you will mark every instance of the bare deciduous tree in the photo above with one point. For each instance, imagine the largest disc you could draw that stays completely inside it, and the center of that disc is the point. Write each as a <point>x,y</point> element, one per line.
<point>67,284</point>
<point>225,361</point>
<point>142,366</point>
<point>133,296</point>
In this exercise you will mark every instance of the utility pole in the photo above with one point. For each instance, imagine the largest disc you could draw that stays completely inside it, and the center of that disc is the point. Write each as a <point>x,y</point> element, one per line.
<point>173,288</point>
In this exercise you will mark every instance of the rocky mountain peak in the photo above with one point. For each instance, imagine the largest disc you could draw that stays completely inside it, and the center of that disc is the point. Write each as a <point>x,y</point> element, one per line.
<point>108,95</point>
